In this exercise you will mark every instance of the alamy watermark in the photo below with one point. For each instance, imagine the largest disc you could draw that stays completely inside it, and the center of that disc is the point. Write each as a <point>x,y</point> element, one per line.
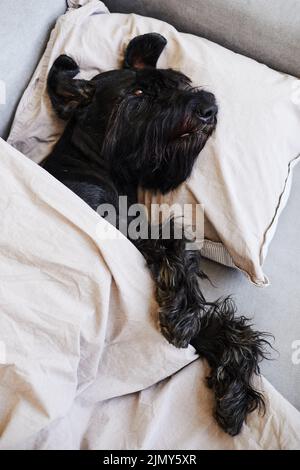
<point>296,352</point>
<point>163,221</point>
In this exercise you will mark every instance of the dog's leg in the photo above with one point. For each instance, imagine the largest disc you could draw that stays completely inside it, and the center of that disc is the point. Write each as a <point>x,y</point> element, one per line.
<point>229,344</point>
<point>176,272</point>
<point>233,350</point>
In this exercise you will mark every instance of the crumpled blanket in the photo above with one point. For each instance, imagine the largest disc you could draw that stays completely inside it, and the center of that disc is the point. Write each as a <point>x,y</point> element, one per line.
<point>82,362</point>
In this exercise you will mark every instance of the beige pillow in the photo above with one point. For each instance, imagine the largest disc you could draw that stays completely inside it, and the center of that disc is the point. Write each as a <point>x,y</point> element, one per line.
<point>244,173</point>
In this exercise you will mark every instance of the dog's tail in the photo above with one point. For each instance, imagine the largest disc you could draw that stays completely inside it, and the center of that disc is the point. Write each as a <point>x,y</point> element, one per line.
<point>233,351</point>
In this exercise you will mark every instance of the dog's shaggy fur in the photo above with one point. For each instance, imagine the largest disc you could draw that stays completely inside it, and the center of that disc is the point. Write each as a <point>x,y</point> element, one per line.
<point>145,127</point>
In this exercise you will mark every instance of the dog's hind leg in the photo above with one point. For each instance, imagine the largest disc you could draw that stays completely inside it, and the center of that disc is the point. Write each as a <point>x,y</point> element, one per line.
<point>233,351</point>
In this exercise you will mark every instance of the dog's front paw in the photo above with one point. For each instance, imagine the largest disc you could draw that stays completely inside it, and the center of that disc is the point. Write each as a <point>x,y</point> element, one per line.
<point>178,342</point>
<point>179,328</point>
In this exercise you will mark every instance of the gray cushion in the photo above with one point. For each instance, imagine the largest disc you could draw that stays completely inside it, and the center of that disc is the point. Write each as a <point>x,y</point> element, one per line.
<point>266,30</point>
<point>24,30</point>
<point>276,308</point>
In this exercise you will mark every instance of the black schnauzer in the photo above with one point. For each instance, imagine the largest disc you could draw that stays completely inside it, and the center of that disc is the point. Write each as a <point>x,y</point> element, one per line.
<point>145,127</point>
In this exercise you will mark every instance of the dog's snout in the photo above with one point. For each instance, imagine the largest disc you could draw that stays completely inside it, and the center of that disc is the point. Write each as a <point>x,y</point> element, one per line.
<point>207,107</point>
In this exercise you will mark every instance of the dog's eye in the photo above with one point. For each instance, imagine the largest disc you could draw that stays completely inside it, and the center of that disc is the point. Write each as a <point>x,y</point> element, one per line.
<point>138,92</point>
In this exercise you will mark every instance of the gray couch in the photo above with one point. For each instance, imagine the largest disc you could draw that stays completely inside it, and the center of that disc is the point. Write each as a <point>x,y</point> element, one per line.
<point>265,30</point>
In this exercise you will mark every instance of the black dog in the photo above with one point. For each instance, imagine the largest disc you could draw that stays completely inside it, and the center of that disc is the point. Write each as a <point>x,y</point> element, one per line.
<point>144,127</point>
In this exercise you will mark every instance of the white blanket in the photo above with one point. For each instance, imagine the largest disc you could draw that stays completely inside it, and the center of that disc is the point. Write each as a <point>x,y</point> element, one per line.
<point>83,365</point>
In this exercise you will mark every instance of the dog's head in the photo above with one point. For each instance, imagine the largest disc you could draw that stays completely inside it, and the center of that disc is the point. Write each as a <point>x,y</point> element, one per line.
<point>149,123</point>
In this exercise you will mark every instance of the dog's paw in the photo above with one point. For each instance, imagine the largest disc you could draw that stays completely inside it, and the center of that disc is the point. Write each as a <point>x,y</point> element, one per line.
<point>178,342</point>
<point>179,329</point>
<point>233,407</point>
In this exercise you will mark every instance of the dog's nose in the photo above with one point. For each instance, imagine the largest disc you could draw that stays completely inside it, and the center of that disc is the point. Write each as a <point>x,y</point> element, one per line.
<point>207,114</point>
<point>206,107</point>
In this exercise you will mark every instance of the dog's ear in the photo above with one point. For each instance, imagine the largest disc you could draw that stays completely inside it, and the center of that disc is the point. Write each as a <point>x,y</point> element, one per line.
<point>67,93</point>
<point>143,51</point>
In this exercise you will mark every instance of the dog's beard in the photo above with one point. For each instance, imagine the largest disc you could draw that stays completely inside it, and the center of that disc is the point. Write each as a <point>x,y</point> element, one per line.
<point>173,165</point>
<point>153,154</point>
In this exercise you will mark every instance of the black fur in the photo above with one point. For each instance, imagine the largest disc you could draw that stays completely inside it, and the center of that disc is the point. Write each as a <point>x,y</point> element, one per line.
<point>145,127</point>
